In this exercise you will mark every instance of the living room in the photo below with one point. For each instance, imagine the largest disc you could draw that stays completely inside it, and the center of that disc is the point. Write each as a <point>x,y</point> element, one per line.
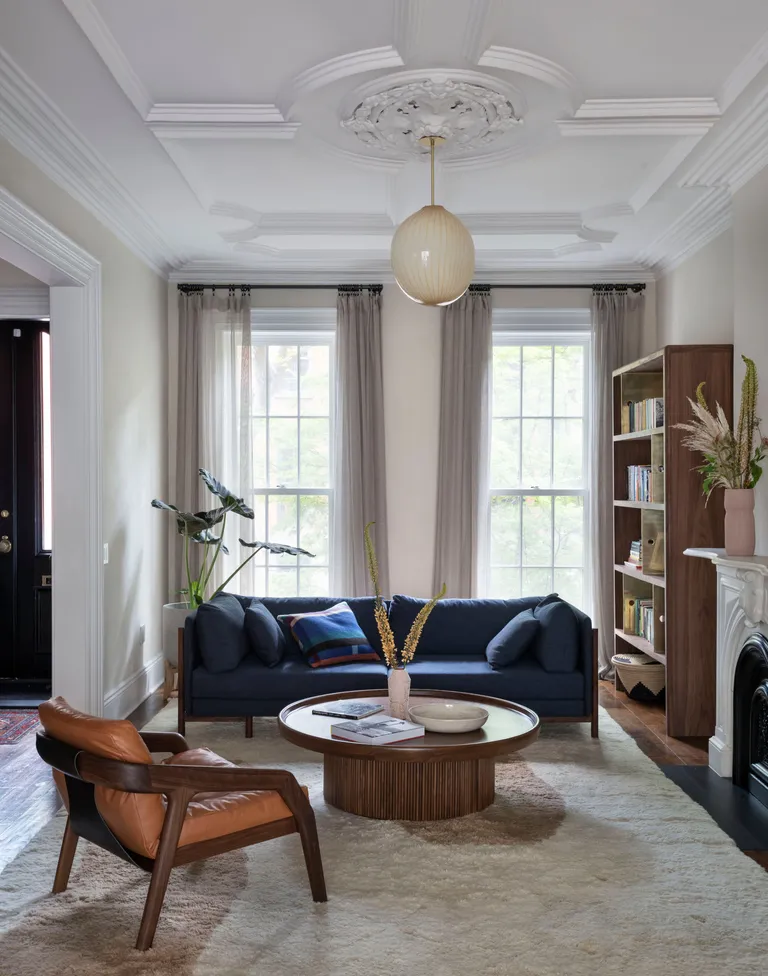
<point>379,383</point>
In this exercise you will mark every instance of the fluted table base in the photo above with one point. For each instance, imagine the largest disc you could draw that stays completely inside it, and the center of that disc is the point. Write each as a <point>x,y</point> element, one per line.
<point>437,790</point>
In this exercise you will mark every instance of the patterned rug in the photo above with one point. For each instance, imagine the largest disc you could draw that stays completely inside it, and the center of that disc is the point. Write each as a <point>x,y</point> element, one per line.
<point>589,862</point>
<point>16,723</point>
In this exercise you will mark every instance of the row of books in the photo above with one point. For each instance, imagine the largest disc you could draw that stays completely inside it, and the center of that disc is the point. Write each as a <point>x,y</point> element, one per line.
<point>635,559</point>
<point>359,727</point>
<point>640,483</point>
<point>638,617</point>
<point>642,414</point>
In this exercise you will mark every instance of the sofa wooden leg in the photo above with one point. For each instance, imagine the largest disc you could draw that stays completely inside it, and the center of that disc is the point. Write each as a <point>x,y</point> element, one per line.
<point>594,725</point>
<point>66,857</point>
<point>249,727</point>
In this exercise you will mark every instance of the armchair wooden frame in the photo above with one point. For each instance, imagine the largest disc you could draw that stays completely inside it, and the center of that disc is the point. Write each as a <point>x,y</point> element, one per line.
<point>179,783</point>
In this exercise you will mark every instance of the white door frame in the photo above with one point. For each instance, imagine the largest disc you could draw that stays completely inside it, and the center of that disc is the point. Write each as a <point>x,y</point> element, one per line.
<point>29,242</point>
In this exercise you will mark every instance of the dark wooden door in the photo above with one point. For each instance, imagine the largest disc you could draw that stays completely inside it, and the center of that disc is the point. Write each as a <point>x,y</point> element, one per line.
<point>25,505</point>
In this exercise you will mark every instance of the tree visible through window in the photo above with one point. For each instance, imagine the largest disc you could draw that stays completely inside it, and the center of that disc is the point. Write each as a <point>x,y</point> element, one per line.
<point>538,467</point>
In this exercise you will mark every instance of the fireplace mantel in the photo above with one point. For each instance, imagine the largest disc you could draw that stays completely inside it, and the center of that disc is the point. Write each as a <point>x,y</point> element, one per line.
<point>742,610</point>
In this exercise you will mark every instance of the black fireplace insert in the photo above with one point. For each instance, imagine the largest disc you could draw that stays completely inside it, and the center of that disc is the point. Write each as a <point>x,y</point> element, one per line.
<point>750,718</point>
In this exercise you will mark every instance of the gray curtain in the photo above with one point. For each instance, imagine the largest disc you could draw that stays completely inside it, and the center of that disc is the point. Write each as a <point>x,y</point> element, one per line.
<point>359,483</point>
<point>467,339</point>
<point>617,323</point>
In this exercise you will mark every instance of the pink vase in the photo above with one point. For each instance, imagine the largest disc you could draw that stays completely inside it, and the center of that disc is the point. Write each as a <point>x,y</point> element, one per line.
<point>399,684</point>
<point>739,521</point>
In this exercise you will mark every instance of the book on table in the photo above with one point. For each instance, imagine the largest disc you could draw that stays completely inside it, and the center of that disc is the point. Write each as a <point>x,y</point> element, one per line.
<point>347,709</point>
<point>377,731</point>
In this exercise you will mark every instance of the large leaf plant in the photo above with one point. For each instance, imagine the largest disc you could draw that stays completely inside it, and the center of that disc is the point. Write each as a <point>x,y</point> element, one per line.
<point>207,529</point>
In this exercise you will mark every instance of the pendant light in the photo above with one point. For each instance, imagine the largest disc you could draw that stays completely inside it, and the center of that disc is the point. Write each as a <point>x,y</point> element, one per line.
<point>433,254</point>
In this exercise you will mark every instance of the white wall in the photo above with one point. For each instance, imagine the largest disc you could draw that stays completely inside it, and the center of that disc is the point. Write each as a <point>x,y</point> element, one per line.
<point>695,301</point>
<point>750,312</point>
<point>11,277</point>
<point>135,370</point>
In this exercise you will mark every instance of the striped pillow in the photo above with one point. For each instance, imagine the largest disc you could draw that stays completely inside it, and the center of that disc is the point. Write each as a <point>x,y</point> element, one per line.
<point>329,636</point>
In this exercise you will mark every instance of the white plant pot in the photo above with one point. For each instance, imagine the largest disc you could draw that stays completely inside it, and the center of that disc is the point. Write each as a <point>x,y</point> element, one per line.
<point>174,615</point>
<point>399,685</point>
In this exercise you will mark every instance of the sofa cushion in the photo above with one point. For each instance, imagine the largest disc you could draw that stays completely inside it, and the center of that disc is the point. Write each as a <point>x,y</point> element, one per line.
<point>361,607</point>
<point>557,643</point>
<point>264,634</point>
<point>526,681</point>
<point>220,628</point>
<point>513,640</point>
<point>455,626</point>
<point>331,636</point>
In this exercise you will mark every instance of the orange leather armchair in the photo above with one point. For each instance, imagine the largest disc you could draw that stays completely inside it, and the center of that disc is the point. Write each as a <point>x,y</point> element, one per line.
<point>158,815</point>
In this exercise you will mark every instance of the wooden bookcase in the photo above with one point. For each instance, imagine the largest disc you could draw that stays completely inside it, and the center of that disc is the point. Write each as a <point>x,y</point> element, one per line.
<point>682,590</point>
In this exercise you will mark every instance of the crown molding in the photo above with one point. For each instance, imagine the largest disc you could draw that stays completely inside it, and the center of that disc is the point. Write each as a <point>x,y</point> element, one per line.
<point>35,127</point>
<point>534,223</point>
<point>702,222</point>
<point>327,72</point>
<point>476,29</point>
<point>407,21</point>
<point>26,302</point>
<point>660,173</point>
<point>647,108</point>
<point>661,126</point>
<point>177,120</point>
<point>525,63</point>
<point>744,73</point>
<point>95,29</point>
<point>297,223</point>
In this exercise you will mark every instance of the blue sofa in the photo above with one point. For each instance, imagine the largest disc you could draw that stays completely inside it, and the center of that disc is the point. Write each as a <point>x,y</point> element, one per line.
<point>450,657</point>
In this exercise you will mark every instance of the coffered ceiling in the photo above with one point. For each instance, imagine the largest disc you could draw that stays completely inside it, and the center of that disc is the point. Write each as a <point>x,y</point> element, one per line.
<point>276,141</point>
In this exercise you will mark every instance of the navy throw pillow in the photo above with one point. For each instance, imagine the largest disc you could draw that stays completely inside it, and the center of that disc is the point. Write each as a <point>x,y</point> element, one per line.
<point>264,634</point>
<point>220,626</point>
<point>513,640</point>
<point>557,646</point>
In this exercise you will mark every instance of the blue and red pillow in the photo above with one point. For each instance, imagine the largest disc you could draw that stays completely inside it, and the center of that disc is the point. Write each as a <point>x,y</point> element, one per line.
<point>330,636</point>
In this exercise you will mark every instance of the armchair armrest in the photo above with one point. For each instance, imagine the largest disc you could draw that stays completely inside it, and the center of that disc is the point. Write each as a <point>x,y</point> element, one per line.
<point>164,742</point>
<point>223,779</point>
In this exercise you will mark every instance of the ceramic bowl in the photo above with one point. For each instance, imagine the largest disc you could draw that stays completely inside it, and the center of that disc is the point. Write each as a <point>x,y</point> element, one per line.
<point>448,716</point>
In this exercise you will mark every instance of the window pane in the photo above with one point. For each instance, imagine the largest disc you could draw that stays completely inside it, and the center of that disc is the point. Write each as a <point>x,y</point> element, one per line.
<point>283,380</point>
<point>568,455</point>
<point>259,428</point>
<point>569,381</point>
<point>256,531</point>
<point>505,530</point>
<point>259,379</point>
<point>537,582</point>
<point>504,584</point>
<point>505,454</point>
<point>283,454</point>
<point>537,530</point>
<point>313,582</point>
<point>314,528</point>
<point>282,582</point>
<point>569,531</point>
<point>282,526</point>
<point>537,446</point>
<point>506,381</point>
<point>46,541</point>
<point>314,380</point>
<point>259,578</point>
<point>569,584</point>
<point>315,453</point>
<point>537,381</point>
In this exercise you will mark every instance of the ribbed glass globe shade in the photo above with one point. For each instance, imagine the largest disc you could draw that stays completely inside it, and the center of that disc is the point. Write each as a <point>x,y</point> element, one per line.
<point>433,256</point>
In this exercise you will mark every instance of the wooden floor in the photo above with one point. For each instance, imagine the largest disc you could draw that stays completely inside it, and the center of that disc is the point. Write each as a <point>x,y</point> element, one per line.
<point>28,798</point>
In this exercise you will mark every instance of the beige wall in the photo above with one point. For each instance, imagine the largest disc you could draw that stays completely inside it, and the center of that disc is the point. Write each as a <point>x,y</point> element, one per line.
<point>695,301</point>
<point>135,369</point>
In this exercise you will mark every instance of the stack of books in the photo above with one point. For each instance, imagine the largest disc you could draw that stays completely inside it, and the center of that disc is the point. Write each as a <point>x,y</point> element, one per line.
<point>639,483</point>
<point>638,617</point>
<point>642,414</point>
<point>377,731</point>
<point>635,560</point>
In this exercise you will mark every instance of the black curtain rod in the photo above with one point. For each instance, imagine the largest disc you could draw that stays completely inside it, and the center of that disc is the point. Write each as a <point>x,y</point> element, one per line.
<point>619,286</point>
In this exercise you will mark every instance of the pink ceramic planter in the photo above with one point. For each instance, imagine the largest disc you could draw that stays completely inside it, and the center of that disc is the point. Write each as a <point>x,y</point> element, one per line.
<point>739,521</point>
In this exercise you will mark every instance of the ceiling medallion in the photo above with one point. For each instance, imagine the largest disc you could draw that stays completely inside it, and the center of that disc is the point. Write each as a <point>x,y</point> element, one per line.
<point>466,114</point>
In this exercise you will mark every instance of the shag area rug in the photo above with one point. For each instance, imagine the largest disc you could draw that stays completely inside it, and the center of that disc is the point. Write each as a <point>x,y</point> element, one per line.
<point>589,862</point>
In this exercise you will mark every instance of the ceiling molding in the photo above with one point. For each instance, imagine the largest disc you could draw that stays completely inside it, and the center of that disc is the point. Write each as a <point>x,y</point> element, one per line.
<point>95,29</point>
<point>26,302</point>
<point>661,126</point>
<point>702,222</point>
<point>477,29</point>
<point>327,72</point>
<point>647,108</point>
<point>35,127</point>
<point>736,152</point>
<point>660,173</point>
<point>408,19</point>
<point>526,63</point>
<point>176,120</point>
<point>303,258</point>
<point>744,73</point>
<point>534,223</point>
<point>297,223</point>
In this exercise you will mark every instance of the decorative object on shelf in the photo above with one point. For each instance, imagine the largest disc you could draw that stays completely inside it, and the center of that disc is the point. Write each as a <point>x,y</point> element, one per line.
<point>201,528</point>
<point>398,680</point>
<point>449,717</point>
<point>732,459</point>
<point>643,682</point>
<point>433,254</point>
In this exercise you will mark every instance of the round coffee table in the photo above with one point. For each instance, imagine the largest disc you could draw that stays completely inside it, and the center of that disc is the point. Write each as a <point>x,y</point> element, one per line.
<point>434,777</point>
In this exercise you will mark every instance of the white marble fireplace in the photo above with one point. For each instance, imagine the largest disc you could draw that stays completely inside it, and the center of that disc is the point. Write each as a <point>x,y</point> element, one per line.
<point>742,610</point>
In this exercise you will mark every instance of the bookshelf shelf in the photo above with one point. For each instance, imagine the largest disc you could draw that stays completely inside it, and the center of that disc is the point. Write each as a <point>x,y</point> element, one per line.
<point>678,606</point>
<point>641,644</point>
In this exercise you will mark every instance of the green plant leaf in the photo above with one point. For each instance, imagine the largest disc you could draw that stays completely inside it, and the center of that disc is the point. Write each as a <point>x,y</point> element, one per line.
<point>208,538</point>
<point>277,548</point>
<point>187,523</point>
<point>228,499</point>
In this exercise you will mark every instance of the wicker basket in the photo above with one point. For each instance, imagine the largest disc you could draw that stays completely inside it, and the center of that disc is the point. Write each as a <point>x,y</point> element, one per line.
<point>644,682</point>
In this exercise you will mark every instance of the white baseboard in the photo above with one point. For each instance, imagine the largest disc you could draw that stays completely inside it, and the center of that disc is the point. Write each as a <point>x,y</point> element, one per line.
<point>129,694</point>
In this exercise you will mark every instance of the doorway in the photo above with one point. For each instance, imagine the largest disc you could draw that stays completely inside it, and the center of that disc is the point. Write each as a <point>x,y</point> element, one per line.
<point>26,525</point>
